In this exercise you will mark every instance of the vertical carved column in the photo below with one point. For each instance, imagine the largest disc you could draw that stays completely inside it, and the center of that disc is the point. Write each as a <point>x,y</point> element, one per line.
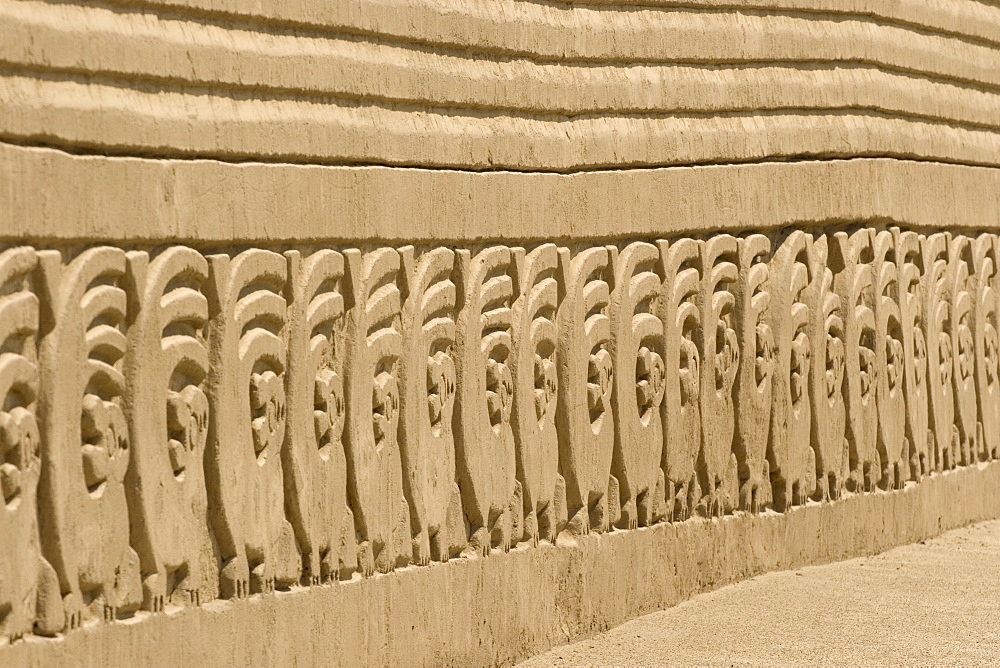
<point>637,352</point>
<point>853,284</point>
<point>536,385</point>
<point>912,316</point>
<point>484,440</point>
<point>165,367</point>
<point>937,294</point>
<point>889,393</point>
<point>720,358</point>
<point>585,419</point>
<point>428,381</point>
<point>314,462</point>
<point>752,398</point>
<point>792,459</point>
<point>375,345</point>
<point>963,347</point>
<point>246,386</point>
<point>984,265</point>
<point>85,448</point>
<point>681,417</point>
<point>826,383</point>
<point>29,589</point>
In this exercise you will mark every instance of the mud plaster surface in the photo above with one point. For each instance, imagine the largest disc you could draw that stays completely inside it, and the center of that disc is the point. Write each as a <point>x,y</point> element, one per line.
<point>507,607</point>
<point>930,603</point>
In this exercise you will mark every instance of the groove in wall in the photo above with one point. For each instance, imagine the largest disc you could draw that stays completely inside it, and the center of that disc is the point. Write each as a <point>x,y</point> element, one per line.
<point>292,19</point>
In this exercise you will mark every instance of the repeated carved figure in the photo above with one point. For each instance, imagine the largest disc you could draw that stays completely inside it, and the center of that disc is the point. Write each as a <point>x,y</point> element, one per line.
<point>178,426</point>
<point>585,421</point>
<point>247,402</point>
<point>84,434</point>
<point>853,285</point>
<point>29,589</point>
<point>374,347</point>
<point>963,348</point>
<point>637,352</point>
<point>893,451</point>
<point>987,341</point>
<point>484,440</point>
<point>791,455</point>
<point>752,395</point>
<point>680,411</point>
<point>313,460</point>
<point>427,404</point>
<point>937,295</point>
<point>909,259</point>
<point>165,367</point>
<point>826,382</point>
<point>720,358</point>
<point>536,385</point>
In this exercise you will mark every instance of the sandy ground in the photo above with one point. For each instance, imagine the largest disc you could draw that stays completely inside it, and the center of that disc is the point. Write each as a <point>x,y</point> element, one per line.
<point>933,603</point>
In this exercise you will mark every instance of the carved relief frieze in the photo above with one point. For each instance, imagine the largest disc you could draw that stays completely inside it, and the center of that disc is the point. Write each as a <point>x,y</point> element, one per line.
<point>752,394</point>
<point>681,409</point>
<point>248,413</point>
<point>485,398</point>
<point>937,296</point>
<point>987,341</point>
<point>963,325</point>
<point>184,424</point>
<point>314,461</point>
<point>29,589</point>
<point>166,367</point>
<point>637,349</point>
<point>720,357</point>
<point>534,366</point>
<point>893,451</point>
<point>584,419</point>
<point>427,407</point>
<point>374,347</point>
<point>83,512</point>
<point>853,284</point>
<point>826,382</point>
<point>790,454</point>
<point>910,261</point>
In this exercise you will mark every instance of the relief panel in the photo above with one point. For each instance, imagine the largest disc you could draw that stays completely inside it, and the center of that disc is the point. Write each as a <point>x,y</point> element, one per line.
<point>584,417</point>
<point>893,451</point>
<point>720,358</point>
<point>534,366</point>
<point>427,406</point>
<point>165,367</point>
<point>247,401</point>
<point>826,383</point>
<point>680,412</point>
<point>85,442</point>
<point>791,456</point>
<point>637,353</point>
<point>915,381</point>
<point>987,293</point>
<point>937,294</point>
<point>752,395</point>
<point>963,347</point>
<point>29,589</point>
<point>375,474</point>
<point>853,285</point>
<point>313,460</point>
<point>485,395</point>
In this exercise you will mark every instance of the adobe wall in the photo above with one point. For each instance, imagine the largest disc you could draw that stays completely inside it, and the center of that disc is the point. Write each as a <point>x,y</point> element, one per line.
<point>434,331</point>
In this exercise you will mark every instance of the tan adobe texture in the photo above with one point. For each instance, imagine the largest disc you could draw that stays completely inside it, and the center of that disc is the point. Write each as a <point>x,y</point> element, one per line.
<point>441,331</point>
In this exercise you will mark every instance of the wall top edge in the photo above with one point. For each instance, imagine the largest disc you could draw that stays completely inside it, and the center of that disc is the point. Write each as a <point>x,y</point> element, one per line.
<point>50,196</point>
